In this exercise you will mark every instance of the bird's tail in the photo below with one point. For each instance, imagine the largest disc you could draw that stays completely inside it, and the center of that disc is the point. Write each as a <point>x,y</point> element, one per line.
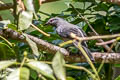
<point>86,50</point>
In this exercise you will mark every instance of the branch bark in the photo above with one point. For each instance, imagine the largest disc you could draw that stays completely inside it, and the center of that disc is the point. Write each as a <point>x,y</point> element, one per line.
<point>108,57</point>
<point>43,45</point>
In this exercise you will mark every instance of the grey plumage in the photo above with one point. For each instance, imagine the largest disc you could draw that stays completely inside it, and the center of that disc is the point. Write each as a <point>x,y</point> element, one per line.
<point>64,29</point>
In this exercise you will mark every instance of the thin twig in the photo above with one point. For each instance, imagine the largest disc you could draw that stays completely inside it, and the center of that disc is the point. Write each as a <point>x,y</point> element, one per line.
<point>105,43</point>
<point>65,43</point>
<point>88,60</point>
<point>103,61</point>
<point>93,37</point>
<point>6,40</point>
<point>24,59</point>
<point>40,30</point>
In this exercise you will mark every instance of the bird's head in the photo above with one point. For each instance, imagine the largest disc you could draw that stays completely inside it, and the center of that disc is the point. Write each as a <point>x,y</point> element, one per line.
<point>54,21</point>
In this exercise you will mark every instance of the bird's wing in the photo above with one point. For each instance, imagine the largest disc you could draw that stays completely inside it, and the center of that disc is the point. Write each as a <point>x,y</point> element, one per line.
<point>65,31</point>
<point>79,32</point>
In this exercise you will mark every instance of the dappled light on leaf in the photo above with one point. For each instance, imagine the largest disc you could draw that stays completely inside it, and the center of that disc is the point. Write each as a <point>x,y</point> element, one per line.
<point>5,64</point>
<point>25,19</point>
<point>32,45</point>
<point>58,66</point>
<point>41,68</point>
<point>19,74</point>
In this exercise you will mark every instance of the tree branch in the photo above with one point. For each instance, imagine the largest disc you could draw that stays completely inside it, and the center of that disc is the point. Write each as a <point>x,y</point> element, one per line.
<point>108,57</point>
<point>45,46</point>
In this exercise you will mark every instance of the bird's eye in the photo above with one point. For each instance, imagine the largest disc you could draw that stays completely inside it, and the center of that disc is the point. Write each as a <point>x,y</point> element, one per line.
<point>53,20</point>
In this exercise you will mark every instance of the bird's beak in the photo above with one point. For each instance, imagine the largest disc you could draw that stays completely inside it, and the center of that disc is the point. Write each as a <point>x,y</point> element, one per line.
<point>46,23</point>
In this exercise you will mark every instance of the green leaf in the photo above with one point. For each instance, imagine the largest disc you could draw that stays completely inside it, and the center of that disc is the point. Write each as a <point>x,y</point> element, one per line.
<point>5,64</point>
<point>6,15</point>
<point>6,52</point>
<point>32,45</point>
<point>32,5</point>
<point>41,68</point>
<point>116,65</point>
<point>118,78</point>
<point>29,5</point>
<point>36,5</point>
<point>33,74</point>
<point>12,26</point>
<point>25,19</point>
<point>53,7</point>
<point>58,66</point>
<point>7,1</point>
<point>101,7</point>
<point>19,74</point>
<point>24,73</point>
<point>70,78</point>
<point>76,21</point>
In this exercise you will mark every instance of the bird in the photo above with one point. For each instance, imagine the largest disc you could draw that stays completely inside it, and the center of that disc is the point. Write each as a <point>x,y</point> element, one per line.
<point>64,29</point>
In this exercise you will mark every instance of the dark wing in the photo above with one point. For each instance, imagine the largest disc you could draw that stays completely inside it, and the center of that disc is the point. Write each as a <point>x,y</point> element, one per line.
<point>79,32</point>
<point>65,31</point>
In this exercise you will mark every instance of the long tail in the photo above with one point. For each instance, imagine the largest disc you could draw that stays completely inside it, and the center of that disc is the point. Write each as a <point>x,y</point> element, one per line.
<point>86,50</point>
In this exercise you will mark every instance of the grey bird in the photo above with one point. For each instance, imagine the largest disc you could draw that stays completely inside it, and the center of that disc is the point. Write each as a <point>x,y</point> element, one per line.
<point>64,29</point>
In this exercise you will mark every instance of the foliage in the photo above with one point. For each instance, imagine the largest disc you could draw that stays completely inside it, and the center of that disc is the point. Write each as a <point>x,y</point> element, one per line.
<point>20,63</point>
